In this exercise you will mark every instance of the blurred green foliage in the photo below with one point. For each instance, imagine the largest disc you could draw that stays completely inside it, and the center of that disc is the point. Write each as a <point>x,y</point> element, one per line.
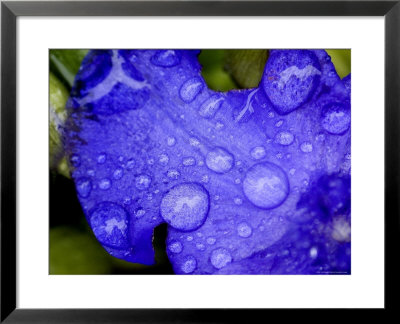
<point>73,247</point>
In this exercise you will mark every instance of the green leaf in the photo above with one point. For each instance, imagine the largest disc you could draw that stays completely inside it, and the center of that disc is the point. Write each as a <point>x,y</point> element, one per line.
<point>246,66</point>
<point>213,72</point>
<point>58,98</point>
<point>341,58</point>
<point>65,63</point>
<point>77,252</point>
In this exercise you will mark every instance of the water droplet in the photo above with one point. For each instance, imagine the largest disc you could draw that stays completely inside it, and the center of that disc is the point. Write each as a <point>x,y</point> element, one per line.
<point>190,89</point>
<point>200,246</point>
<point>211,240</point>
<point>336,118</point>
<point>244,230</point>
<point>219,125</point>
<point>163,159</point>
<point>238,200</point>
<point>90,172</point>
<point>220,258</point>
<point>127,201</point>
<point>292,171</point>
<point>140,212</point>
<point>185,206</point>
<point>238,181</point>
<point>279,123</point>
<point>290,79</point>
<point>84,187</point>
<point>118,173</point>
<point>175,247</point>
<point>130,164</point>
<point>306,147</point>
<point>75,160</point>
<point>219,160</point>
<point>171,141</point>
<point>193,141</point>
<point>150,161</point>
<point>189,238</point>
<point>209,107</point>
<point>313,252</point>
<point>102,158</point>
<point>166,58</point>
<point>105,184</point>
<point>109,222</point>
<point>189,161</point>
<point>205,178</point>
<point>266,185</point>
<point>173,174</point>
<point>142,182</point>
<point>258,152</point>
<point>189,265</point>
<point>284,138</point>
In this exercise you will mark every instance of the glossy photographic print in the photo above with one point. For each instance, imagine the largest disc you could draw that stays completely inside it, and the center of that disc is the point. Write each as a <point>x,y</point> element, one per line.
<point>200,162</point>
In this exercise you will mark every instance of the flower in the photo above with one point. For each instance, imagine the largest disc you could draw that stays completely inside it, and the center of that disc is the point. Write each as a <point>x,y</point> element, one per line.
<point>253,181</point>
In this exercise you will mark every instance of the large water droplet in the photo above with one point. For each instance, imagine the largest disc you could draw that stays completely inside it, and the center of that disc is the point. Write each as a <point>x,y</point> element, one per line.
<point>219,160</point>
<point>284,138</point>
<point>189,265</point>
<point>291,78</point>
<point>166,58</point>
<point>244,229</point>
<point>210,106</point>
<point>142,182</point>
<point>336,118</point>
<point>258,152</point>
<point>84,187</point>
<point>220,258</point>
<point>185,206</point>
<point>266,185</point>
<point>109,222</point>
<point>190,89</point>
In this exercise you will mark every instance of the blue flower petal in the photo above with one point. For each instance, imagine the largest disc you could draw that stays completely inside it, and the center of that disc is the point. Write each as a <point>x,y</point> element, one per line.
<point>250,181</point>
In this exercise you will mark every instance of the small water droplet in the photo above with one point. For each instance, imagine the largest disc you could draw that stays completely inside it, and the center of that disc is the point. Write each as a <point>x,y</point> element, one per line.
<point>284,138</point>
<point>238,200</point>
<point>244,230</point>
<point>279,123</point>
<point>140,212</point>
<point>163,159</point>
<point>75,160</point>
<point>102,158</point>
<point>130,164</point>
<point>258,152</point>
<point>175,247</point>
<point>209,107</point>
<point>171,141</point>
<point>220,258</point>
<point>211,240</point>
<point>173,174</point>
<point>84,187</point>
<point>306,147</point>
<point>190,89</point>
<point>200,246</point>
<point>189,265</point>
<point>118,173</point>
<point>189,161</point>
<point>219,160</point>
<point>142,182</point>
<point>105,184</point>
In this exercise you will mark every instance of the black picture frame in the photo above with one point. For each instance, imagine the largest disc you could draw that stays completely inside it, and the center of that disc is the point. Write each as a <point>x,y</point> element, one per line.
<point>10,10</point>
